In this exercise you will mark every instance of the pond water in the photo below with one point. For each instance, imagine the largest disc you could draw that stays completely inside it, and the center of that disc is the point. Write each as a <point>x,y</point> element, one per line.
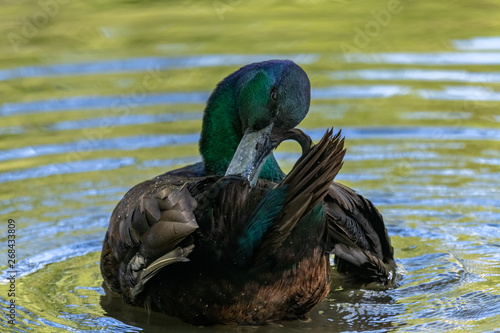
<point>98,96</point>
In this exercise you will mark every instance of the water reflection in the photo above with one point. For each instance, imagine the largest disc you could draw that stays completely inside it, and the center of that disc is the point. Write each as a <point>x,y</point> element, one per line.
<point>101,102</point>
<point>462,93</point>
<point>69,167</point>
<point>477,43</point>
<point>418,105</point>
<point>142,64</point>
<point>417,75</point>
<point>135,119</point>
<point>435,59</point>
<point>122,143</point>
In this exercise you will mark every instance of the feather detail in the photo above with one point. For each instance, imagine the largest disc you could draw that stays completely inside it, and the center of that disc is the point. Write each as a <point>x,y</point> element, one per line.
<point>307,184</point>
<point>357,236</point>
<point>261,220</point>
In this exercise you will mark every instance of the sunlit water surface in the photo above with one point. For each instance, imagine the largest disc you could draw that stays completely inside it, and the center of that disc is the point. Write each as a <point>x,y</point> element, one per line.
<point>100,96</point>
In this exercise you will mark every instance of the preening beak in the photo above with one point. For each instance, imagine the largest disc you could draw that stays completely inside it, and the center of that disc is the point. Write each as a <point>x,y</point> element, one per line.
<point>251,154</point>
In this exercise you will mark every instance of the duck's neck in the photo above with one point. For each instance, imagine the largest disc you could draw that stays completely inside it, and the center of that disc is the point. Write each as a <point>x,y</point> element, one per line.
<point>221,133</point>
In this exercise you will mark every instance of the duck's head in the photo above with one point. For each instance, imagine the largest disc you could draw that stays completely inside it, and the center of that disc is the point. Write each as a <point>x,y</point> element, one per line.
<point>248,114</point>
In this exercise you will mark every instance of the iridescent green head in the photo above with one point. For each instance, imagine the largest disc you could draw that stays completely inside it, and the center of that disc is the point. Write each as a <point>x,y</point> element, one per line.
<point>248,113</point>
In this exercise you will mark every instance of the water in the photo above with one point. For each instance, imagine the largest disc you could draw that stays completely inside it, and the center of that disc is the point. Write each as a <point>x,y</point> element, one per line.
<point>97,97</point>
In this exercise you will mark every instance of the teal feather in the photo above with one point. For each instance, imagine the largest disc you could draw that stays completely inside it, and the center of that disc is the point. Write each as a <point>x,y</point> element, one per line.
<point>260,222</point>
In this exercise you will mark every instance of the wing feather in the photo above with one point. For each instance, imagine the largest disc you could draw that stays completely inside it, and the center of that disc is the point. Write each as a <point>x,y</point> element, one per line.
<point>149,229</point>
<point>357,236</point>
<point>307,184</point>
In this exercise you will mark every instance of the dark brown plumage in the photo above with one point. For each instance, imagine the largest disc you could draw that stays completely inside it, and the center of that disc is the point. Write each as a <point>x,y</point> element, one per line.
<point>242,248</point>
<point>155,226</point>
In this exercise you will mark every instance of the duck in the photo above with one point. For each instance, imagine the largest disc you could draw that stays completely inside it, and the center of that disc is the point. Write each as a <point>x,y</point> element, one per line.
<point>233,239</point>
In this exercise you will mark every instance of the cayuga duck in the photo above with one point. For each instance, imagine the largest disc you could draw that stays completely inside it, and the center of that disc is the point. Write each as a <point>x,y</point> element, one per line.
<point>232,239</point>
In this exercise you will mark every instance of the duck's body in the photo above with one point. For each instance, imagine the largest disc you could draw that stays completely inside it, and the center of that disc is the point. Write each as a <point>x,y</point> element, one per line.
<point>251,246</point>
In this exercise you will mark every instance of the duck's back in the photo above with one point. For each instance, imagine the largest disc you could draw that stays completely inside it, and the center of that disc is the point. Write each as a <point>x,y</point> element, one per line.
<point>156,224</point>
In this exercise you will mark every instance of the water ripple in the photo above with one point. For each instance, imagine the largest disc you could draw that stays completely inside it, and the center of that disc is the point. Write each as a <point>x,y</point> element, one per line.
<point>102,102</point>
<point>430,273</point>
<point>441,58</point>
<point>477,43</point>
<point>488,161</point>
<point>333,92</point>
<point>12,130</point>
<point>66,168</point>
<point>410,133</point>
<point>34,263</point>
<point>120,143</point>
<point>461,94</point>
<point>125,101</point>
<point>134,119</point>
<point>147,63</point>
<point>439,115</point>
<point>375,91</point>
<point>153,141</point>
<point>418,75</point>
<point>169,162</point>
<point>293,157</point>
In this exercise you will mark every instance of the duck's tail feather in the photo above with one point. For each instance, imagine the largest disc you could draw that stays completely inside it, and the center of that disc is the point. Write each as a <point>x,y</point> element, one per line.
<point>357,236</point>
<point>306,185</point>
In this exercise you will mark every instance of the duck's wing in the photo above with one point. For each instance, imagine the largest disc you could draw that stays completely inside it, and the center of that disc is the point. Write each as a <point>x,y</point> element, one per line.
<point>357,236</point>
<point>149,229</point>
<point>305,188</point>
<point>355,230</point>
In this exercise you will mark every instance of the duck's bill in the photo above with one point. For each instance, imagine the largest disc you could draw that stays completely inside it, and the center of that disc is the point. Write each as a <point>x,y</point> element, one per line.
<point>251,154</point>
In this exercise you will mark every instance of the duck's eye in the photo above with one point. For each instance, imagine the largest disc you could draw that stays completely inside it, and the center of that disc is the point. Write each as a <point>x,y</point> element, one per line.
<point>274,94</point>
